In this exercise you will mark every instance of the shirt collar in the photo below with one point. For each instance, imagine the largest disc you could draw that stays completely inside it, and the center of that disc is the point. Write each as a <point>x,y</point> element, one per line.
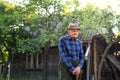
<point>68,37</point>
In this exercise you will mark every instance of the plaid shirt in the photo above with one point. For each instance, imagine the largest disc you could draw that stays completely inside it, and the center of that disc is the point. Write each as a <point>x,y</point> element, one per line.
<point>70,50</point>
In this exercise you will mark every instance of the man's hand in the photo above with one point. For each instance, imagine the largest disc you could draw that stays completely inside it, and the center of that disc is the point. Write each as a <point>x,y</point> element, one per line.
<point>76,71</point>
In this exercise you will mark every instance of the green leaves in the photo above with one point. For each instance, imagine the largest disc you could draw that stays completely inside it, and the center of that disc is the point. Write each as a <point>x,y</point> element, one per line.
<point>44,21</point>
<point>29,46</point>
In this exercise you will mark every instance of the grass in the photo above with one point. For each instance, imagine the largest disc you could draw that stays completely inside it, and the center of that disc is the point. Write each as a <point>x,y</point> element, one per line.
<point>30,77</point>
<point>33,78</point>
<point>26,78</point>
<point>1,77</point>
<point>23,78</point>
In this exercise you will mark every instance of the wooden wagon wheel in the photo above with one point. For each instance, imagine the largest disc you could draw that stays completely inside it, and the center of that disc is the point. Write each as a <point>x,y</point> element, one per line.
<point>108,70</point>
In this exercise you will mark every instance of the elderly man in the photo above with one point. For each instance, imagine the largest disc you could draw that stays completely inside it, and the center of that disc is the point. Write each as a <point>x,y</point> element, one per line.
<point>71,54</point>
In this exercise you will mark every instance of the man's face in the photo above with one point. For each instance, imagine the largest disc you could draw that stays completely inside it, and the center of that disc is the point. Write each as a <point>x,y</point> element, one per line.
<point>73,33</point>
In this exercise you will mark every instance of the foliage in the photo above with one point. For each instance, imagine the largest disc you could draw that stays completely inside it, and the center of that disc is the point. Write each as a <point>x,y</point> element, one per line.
<point>29,46</point>
<point>9,18</point>
<point>25,29</point>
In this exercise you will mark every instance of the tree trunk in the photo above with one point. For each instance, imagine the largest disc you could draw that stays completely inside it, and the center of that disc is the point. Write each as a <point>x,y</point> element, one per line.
<point>5,71</point>
<point>9,67</point>
<point>9,64</point>
<point>6,68</point>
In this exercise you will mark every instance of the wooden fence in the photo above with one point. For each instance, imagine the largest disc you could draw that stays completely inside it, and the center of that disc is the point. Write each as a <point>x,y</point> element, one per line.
<point>49,66</point>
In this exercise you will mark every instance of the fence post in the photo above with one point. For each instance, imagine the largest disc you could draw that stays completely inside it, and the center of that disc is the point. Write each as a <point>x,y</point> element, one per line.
<point>45,64</point>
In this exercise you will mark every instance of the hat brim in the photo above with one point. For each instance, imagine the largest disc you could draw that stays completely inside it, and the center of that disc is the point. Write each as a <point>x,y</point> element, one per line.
<point>73,29</point>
